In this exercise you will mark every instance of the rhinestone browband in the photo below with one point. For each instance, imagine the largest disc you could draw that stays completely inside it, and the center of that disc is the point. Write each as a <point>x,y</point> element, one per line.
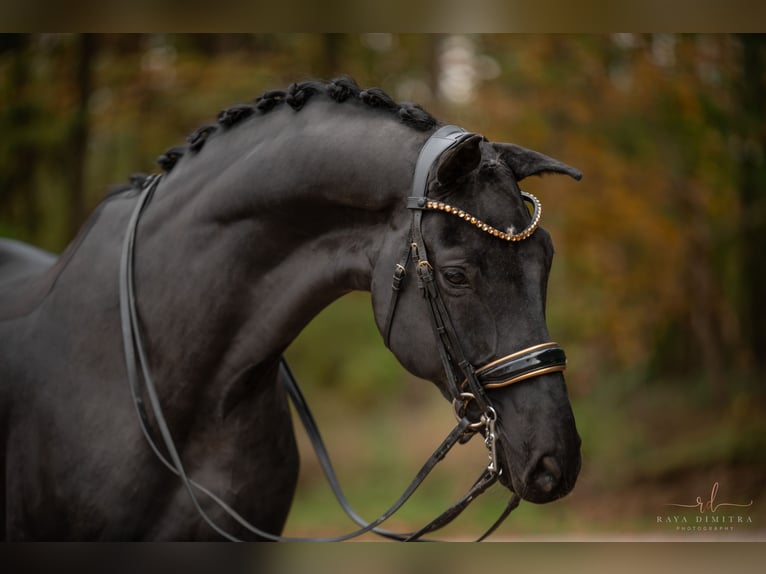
<point>440,206</point>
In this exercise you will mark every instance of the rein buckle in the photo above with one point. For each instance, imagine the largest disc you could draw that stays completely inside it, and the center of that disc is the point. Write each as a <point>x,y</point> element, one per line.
<point>486,422</point>
<point>460,405</point>
<point>490,440</point>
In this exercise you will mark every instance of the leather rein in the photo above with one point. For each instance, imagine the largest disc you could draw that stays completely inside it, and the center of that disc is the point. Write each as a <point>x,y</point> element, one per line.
<point>465,382</point>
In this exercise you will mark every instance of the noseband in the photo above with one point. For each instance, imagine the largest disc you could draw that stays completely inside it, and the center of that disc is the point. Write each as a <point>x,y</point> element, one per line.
<point>465,382</point>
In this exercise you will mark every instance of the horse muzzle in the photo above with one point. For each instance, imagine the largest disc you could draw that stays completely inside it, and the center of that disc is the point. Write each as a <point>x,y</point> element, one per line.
<point>547,467</point>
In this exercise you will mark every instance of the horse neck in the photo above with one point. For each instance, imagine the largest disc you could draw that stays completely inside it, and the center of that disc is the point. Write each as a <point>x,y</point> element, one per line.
<point>247,241</point>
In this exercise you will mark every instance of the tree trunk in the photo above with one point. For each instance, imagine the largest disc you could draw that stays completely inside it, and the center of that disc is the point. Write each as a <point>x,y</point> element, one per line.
<point>753,195</point>
<point>332,46</point>
<point>85,55</point>
<point>18,197</point>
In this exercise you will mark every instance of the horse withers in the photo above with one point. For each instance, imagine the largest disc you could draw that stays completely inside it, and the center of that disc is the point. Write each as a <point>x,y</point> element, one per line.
<point>259,222</point>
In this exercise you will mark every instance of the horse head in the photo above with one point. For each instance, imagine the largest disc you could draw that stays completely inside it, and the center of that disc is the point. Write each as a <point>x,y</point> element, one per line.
<point>489,262</point>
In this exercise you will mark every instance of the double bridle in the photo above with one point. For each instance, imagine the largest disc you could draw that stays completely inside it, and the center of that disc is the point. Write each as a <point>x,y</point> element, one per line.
<point>466,383</point>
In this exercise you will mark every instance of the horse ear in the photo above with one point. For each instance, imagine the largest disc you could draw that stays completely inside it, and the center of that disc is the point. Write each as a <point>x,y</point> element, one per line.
<point>459,160</point>
<point>525,162</point>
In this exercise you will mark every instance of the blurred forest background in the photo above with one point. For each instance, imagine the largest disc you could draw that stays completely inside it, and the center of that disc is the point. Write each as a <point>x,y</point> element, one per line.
<point>656,292</point>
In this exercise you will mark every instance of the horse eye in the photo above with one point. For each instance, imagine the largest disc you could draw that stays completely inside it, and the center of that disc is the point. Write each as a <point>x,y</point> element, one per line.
<point>456,277</point>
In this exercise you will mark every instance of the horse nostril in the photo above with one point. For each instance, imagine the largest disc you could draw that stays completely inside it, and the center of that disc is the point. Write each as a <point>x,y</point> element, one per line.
<point>548,475</point>
<point>549,463</point>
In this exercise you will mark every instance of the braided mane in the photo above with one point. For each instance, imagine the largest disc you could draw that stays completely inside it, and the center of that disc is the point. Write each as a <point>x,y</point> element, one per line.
<point>296,96</point>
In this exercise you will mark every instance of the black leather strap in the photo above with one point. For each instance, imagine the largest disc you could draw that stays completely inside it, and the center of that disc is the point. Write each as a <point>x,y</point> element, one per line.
<point>447,345</point>
<point>441,140</point>
<point>513,502</point>
<point>400,272</point>
<point>134,349</point>
<point>486,480</point>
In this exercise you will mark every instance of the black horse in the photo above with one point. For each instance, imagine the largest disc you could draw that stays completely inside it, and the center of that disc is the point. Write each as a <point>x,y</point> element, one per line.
<point>259,222</point>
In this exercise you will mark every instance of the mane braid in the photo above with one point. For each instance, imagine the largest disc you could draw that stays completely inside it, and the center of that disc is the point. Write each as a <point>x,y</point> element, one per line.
<point>297,95</point>
<point>377,98</point>
<point>343,88</point>
<point>269,100</point>
<point>199,136</point>
<point>234,115</point>
<point>168,160</point>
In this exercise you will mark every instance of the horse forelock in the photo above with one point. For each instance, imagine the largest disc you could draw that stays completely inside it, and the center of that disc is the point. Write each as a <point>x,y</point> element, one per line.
<point>297,95</point>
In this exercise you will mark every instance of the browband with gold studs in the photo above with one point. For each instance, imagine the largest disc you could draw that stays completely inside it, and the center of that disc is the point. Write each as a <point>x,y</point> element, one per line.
<point>506,236</point>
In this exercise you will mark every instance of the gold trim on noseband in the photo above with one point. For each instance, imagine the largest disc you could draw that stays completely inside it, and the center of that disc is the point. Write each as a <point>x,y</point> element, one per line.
<point>531,349</point>
<point>537,372</point>
<point>525,376</point>
<point>440,206</point>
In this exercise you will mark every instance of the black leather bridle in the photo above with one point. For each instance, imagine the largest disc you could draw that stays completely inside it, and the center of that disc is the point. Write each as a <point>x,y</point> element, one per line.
<point>464,380</point>
<point>465,383</point>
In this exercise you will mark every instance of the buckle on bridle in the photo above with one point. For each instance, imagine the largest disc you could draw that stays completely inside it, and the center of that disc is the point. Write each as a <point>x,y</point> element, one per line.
<point>490,440</point>
<point>460,406</point>
<point>486,422</point>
